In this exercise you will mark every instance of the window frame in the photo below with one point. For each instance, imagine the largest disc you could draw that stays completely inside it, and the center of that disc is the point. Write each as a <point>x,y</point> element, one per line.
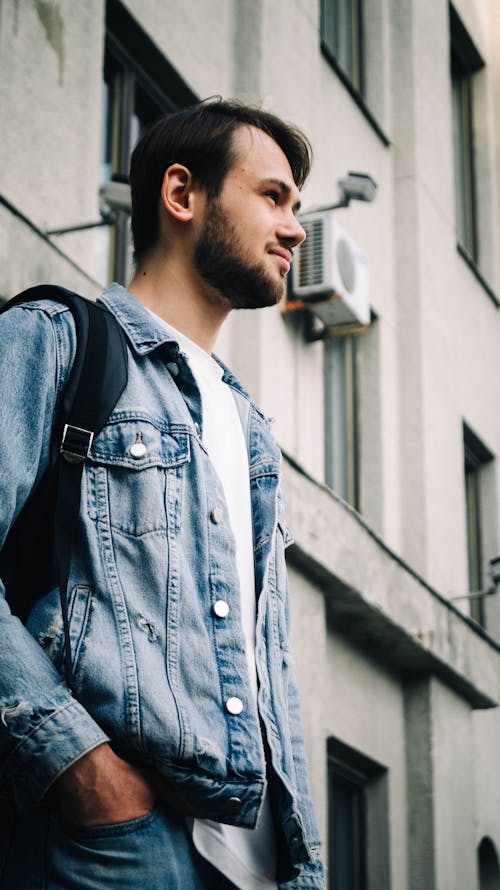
<point>465,62</point>
<point>349,487</point>
<point>139,66</point>
<point>339,774</point>
<point>356,90</point>
<point>476,456</point>
<point>330,9</point>
<point>368,780</point>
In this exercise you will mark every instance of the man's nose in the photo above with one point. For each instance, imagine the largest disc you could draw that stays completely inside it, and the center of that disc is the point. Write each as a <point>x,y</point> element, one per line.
<point>291,230</point>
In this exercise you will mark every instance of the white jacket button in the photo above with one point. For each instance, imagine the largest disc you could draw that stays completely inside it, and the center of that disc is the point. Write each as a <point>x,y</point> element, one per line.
<point>221,609</point>
<point>234,705</point>
<point>138,448</point>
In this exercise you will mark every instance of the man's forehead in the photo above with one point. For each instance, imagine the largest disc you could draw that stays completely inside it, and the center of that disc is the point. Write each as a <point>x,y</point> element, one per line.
<point>257,154</point>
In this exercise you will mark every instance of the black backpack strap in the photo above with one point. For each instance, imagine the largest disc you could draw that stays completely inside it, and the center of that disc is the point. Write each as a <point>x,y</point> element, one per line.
<point>98,378</point>
<point>99,372</point>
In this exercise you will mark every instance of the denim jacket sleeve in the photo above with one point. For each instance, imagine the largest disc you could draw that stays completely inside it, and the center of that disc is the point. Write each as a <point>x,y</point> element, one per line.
<point>43,729</point>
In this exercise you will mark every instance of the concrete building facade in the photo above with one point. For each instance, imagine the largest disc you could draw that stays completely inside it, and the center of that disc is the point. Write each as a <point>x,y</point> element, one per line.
<point>391,436</point>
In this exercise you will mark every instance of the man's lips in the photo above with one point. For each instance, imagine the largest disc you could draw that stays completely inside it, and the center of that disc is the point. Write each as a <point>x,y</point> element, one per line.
<point>284,256</point>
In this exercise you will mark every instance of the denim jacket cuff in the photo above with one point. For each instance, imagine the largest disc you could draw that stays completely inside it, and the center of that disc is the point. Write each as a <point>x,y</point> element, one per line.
<point>304,882</point>
<point>311,878</point>
<point>56,743</point>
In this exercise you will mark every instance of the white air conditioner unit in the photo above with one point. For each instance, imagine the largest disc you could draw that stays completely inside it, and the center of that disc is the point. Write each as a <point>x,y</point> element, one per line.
<point>330,274</point>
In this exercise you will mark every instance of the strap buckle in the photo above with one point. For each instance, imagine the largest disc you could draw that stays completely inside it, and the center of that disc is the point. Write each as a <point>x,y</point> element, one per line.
<point>76,443</point>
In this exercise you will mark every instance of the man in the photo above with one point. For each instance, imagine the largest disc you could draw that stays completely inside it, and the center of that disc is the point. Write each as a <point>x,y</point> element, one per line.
<point>179,763</point>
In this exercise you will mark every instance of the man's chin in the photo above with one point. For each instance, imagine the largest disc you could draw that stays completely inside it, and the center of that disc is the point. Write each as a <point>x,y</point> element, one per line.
<point>260,298</point>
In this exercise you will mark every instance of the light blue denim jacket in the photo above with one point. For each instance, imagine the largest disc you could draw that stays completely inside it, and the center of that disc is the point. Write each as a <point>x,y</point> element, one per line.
<point>153,663</point>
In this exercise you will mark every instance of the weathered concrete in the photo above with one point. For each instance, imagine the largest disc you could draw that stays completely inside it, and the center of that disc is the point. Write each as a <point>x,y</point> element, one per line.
<point>28,257</point>
<point>380,602</point>
<point>386,665</point>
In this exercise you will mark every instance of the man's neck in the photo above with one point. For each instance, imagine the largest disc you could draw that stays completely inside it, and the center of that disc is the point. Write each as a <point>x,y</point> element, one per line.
<point>177,295</point>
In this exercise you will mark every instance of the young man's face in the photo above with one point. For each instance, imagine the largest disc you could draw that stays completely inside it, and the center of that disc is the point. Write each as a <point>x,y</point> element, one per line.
<point>245,248</point>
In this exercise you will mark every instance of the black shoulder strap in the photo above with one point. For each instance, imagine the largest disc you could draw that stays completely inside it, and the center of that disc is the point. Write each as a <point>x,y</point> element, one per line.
<point>99,372</point>
<point>97,379</point>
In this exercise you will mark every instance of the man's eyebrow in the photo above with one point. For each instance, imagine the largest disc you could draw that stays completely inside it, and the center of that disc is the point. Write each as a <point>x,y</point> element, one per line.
<point>285,188</point>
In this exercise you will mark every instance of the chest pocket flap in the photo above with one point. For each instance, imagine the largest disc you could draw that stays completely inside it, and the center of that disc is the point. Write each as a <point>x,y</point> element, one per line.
<point>139,443</point>
<point>127,473</point>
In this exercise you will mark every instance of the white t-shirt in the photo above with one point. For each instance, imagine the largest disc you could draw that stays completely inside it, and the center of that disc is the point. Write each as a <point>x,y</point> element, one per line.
<point>246,856</point>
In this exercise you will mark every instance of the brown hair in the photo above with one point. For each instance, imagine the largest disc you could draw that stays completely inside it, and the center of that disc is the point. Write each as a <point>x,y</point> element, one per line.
<point>200,138</point>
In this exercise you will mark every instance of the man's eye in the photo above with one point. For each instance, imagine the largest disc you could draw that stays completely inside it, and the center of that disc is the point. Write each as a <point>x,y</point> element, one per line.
<point>273,195</point>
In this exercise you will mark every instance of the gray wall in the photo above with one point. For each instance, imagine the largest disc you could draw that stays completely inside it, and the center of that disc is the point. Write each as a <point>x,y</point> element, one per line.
<point>385,664</point>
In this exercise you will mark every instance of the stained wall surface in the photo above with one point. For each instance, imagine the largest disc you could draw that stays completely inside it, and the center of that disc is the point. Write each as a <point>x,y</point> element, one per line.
<point>390,664</point>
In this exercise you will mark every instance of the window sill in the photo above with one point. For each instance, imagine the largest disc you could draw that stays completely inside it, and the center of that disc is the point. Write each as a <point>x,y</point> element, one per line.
<point>356,95</point>
<point>475,270</point>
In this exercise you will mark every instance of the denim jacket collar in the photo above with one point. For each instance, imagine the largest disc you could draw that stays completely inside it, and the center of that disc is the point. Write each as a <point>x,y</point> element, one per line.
<point>145,334</point>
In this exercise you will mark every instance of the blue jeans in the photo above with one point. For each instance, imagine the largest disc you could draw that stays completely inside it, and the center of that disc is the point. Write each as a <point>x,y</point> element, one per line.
<point>154,852</point>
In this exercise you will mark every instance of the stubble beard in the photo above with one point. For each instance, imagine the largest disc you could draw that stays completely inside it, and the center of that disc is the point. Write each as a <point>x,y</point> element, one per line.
<point>219,258</point>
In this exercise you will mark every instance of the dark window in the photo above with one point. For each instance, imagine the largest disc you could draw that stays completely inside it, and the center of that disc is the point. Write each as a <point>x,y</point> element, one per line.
<point>139,85</point>
<point>358,836</point>
<point>465,62</point>
<point>341,38</point>
<point>353,40</point>
<point>341,427</point>
<point>476,456</point>
<point>347,829</point>
<point>489,868</point>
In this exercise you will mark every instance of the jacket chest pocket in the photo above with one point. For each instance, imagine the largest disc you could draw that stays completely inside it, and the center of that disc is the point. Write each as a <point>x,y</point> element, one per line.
<point>135,468</point>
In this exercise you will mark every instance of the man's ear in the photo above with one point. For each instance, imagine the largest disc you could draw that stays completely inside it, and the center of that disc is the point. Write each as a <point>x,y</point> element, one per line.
<point>176,194</point>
